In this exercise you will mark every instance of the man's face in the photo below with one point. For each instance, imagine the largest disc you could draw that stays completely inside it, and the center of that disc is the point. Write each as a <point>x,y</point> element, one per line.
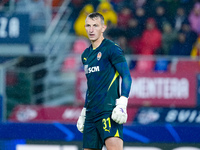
<point>94,28</point>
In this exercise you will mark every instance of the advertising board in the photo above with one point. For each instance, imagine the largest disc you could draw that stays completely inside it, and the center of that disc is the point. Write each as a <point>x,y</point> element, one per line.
<point>36,113</point>
<point>14,28</point>
<point>65,114</point>
<point>154,89</point>
<point>152,115</point>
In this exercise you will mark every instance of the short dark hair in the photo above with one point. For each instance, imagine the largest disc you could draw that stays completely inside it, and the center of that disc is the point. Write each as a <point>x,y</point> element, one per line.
<point>96,15</point>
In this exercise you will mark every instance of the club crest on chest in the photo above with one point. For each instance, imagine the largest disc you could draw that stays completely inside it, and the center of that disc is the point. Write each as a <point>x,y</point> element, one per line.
<point>99,56</point>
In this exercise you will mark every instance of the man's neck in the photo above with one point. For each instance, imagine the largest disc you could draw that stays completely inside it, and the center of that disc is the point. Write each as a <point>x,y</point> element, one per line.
<point>97,43</point>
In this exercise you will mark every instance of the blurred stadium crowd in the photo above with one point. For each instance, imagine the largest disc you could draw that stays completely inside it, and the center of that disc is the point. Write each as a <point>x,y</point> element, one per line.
<point>147,27</point>
<point>144,27</point>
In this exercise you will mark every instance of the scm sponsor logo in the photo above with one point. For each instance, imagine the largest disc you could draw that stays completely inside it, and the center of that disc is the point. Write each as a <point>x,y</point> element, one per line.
<point>91,69</point>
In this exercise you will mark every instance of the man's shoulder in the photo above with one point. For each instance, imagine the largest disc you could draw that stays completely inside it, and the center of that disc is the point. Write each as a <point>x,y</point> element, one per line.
<point>111,44</point>
<point>86,51</point>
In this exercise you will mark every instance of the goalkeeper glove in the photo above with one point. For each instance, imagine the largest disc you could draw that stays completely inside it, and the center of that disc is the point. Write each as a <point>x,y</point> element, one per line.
<point>81,120</point>
<point>119,113</point>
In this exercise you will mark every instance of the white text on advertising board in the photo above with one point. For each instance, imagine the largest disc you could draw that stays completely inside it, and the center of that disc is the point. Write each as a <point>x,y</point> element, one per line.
<point>9,28</point>
<point>190,116</point>
<point>167,88</point>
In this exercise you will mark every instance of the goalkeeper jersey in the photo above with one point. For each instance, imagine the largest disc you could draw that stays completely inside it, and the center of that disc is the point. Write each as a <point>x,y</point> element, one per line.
<point>102,78</point>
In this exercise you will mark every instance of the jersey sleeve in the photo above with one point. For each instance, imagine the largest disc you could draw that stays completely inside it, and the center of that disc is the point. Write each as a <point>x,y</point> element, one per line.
<point>116,54</point>
<point>86,100</point>
<point>124,72</point>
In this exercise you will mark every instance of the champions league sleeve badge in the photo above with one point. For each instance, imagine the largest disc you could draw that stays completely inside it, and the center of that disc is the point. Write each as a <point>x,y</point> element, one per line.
<point>99,56</point>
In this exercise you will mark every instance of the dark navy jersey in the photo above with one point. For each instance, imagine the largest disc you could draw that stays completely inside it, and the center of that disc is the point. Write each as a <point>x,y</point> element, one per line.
<point>102,77</point>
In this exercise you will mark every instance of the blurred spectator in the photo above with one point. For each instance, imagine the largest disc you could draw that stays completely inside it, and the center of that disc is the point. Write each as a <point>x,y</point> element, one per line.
<point>191,36</point>
<point>39,11</point>
<point>80,21</point>
<point>180,47</point>
<point>123,43</point>
<point>154,4</point>
<point>169,35</point>
<point>161,17</point>
<point>133,30</point>
<point>194,18</point>
<point>133,34</point>
<point>106,9</point>
<point>151,38</point>
<point>124,16</point>
<point>140,15</point>
<point>179,18</point>
<point>196,49</point>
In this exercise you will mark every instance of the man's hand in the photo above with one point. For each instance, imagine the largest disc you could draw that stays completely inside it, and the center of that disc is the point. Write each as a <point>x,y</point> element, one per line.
<point>119,113</point>
<point>81,120</point>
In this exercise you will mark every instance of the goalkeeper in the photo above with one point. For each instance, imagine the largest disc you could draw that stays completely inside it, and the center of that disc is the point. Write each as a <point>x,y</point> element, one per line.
<point>102,117</point>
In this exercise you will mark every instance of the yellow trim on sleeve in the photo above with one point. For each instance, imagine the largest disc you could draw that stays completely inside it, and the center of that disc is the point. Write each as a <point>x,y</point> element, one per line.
<point>116,75</point>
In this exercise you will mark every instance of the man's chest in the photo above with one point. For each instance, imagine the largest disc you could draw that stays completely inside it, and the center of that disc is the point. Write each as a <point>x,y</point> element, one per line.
<point>95,62</point>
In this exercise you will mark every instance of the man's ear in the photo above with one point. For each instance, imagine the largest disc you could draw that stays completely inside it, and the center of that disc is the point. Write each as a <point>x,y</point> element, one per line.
<point>104,28</point>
